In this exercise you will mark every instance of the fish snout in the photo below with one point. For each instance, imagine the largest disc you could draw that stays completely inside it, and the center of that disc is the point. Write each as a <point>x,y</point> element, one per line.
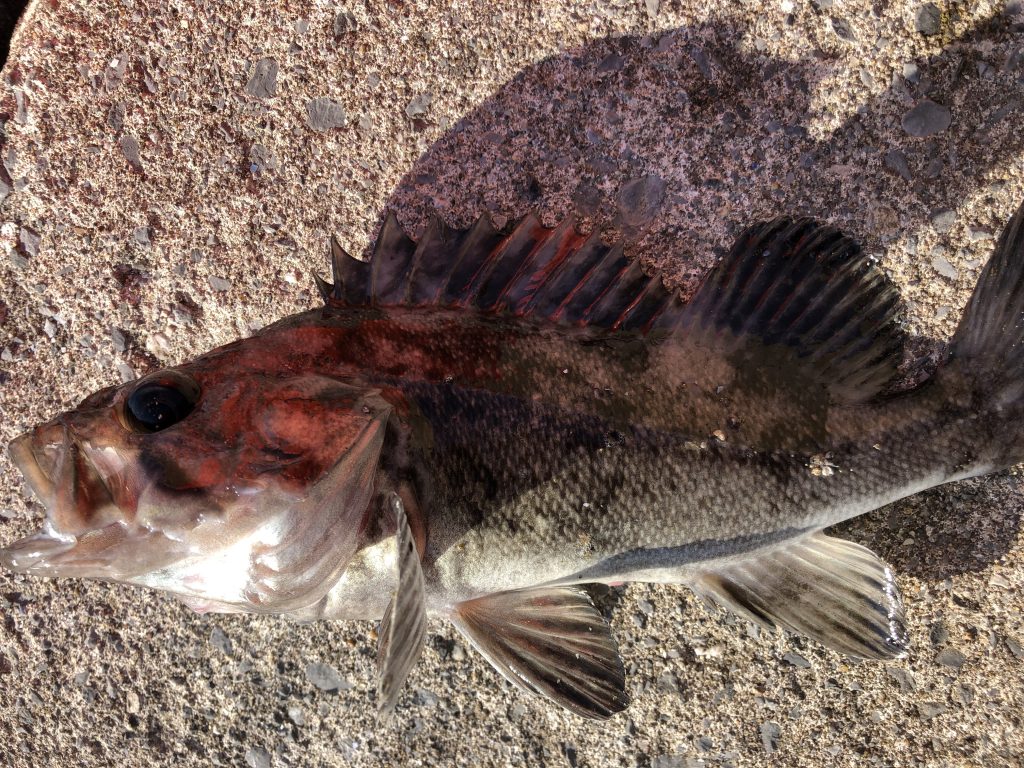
<point>57,468</point>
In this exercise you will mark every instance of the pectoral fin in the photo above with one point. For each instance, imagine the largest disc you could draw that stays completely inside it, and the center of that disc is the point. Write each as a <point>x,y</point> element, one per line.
<point>401,633</point>
<point>836,592</point>
<point>551,641</point>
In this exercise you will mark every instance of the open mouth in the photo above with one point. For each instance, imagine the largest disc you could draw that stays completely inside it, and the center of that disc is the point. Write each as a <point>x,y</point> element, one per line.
<point>78,503</point>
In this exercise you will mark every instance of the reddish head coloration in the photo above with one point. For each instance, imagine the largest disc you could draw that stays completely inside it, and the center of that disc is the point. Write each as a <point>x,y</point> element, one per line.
<point>477,424</point>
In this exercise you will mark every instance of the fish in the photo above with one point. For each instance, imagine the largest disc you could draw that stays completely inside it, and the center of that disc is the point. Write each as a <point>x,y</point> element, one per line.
<point>482,424</point>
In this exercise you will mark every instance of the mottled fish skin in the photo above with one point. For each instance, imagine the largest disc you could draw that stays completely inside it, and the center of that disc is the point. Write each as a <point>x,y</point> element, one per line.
<point>491,418</point>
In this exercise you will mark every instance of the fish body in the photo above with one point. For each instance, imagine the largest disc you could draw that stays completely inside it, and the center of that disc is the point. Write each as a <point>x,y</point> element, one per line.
<point>479,425</point>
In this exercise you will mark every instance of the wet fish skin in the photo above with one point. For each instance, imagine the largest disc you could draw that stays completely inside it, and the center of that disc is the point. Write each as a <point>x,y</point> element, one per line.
<point>498,418</point>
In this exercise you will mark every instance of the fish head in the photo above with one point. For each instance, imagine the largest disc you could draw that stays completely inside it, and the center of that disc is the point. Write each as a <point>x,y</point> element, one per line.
<point>224,483</point>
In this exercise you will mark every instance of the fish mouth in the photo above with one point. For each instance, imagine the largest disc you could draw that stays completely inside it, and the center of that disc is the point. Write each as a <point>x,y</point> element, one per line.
<point>80,509</point>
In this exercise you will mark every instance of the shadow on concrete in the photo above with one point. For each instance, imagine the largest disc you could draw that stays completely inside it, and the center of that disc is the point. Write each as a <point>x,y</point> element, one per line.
<point>678,140</point>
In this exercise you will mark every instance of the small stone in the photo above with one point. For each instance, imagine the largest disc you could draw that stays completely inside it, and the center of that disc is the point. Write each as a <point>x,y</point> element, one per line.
<point>130,149</point>
<point>646,607</point>
<point>220,641</point>
<point>219,283</point>
<point>938,634</point>
<point>142,236</point>
<point>126,372</point>
<point>963,695</point>
<point>345,23</point>
<point>326,678</point>
<point>930,709</point>
<point>843,29</point>
<point>458,652</point>
<point>418,105</point>
<point>928,20</point>
<point>296,715</point>
<point>263,81</point>
<point>324,114</point>
<point>941,265</point>
<point>653,7</point>
<point>132,703</point>
<point>896,161</point>
<point>1015,647</point>
<point>639,202</point>
<point>796,660</point>
<point>28,242</point>
<point>910,72</point>
<point>943,220</point>
<point>903,677</point>
<point>770,733</point>
<point>257,757</point>
<point>926,119</point>
<point>952,658</point>
<point>261,159</point>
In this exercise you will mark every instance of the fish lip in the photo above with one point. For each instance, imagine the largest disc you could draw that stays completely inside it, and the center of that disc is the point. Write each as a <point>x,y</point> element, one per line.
<point>25,452</point>
<point>24,458</point>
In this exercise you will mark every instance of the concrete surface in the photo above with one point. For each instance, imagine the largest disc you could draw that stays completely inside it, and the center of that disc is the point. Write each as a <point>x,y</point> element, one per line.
<point>172,171</point>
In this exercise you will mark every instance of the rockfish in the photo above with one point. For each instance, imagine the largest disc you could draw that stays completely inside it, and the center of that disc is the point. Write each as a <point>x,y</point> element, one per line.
<point>479,424</point>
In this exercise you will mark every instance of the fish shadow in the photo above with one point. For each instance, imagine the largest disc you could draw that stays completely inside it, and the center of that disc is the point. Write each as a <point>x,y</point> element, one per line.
<point>677,140</point>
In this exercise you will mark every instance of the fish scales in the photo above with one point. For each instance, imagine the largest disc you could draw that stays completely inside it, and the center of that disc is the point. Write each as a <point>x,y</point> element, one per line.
<point>477,425</point>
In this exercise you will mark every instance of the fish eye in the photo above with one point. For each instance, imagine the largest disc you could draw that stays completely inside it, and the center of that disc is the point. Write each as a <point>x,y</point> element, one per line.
<point>160,402</point>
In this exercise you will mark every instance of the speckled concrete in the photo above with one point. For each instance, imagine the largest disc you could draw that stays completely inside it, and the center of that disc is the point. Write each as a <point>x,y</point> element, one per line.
<point>174,170</point>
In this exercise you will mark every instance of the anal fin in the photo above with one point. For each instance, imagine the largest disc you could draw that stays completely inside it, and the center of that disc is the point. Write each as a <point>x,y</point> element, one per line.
<point>833,591</point>
<point>550,641</point>
<point>401,633</point>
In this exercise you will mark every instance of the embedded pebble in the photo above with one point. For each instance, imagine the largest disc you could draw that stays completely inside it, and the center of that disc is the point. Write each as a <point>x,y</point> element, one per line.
<point>941,265</point>
<point>943,220</point>
<point>296,715</point>
<point>219,283</point>
<point>263,82</point>
<point>324,114</point>
<point>930,709</point>
<point>928,19</point>
<point>896,161</point>
<point>796,660</point>
<point>938,634</point>
<point>28,241</point>
<point>951,657</point>
<point>639,202</point>
<point>257,757</point>
<point>903,677</point>
<point>926,119</point>
<point>220,641</point>
<point>326,678</point>
<point>770,733</point>
<point>419,105</point>
<point>130,149</point>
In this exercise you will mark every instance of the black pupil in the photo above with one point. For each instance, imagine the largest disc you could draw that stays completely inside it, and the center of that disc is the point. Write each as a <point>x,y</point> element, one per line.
<point>153,407</point>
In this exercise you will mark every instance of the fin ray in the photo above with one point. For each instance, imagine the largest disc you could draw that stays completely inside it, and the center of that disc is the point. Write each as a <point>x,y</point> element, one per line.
<point>549,641</point>
<point>833,591</point>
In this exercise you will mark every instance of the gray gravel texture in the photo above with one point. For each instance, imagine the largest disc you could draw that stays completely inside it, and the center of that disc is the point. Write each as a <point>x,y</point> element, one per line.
<point>171,173</point>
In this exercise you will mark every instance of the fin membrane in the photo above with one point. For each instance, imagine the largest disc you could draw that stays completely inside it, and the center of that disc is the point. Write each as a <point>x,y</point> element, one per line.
<point>550,641</point>
<point>833,591</point>
<point>401,633</point>
<point>790,282</point>
<point>529,270</point>
<point>989,338</point>
<point>808,287</point>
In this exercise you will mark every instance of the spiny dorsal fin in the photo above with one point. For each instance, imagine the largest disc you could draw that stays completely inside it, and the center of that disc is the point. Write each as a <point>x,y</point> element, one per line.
<point>795,283</point>
<point>553,274</point>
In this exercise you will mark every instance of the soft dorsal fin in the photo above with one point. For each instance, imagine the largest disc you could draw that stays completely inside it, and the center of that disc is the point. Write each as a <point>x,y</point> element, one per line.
<point>792,283</point>
<point>806,286</point>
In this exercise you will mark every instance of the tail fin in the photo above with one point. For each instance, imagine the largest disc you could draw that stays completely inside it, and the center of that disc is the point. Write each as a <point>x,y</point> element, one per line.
<point>989,343</point>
